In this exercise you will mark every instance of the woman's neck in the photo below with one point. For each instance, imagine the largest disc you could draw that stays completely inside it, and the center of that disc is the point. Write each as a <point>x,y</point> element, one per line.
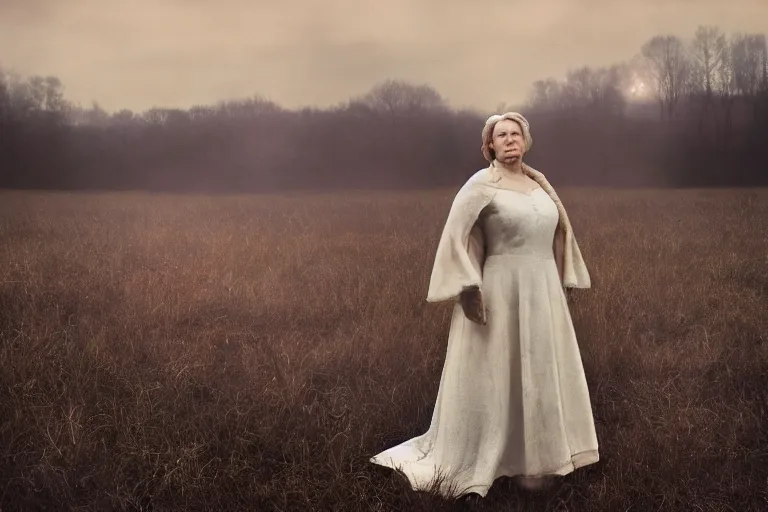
<point>514,168</point>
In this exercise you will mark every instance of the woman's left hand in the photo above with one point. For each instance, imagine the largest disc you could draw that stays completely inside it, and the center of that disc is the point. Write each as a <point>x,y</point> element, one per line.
<point>473,305</point>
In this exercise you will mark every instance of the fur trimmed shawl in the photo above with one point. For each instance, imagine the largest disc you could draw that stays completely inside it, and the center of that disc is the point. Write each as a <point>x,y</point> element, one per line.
<point>459,258</point>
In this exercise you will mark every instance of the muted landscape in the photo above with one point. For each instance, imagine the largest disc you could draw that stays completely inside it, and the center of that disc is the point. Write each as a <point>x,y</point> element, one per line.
<point>218,222</point>
<point>233,352</point>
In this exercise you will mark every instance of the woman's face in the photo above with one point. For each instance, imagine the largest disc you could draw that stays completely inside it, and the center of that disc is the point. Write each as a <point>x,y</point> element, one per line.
<point>507,141</point>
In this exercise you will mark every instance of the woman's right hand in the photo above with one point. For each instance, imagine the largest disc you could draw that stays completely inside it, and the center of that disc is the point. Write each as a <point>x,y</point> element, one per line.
<point>472,303</point>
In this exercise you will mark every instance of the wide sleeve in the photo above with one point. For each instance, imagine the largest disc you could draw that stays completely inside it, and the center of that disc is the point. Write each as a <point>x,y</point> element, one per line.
<point>575,273</point>
<point>460,251</point>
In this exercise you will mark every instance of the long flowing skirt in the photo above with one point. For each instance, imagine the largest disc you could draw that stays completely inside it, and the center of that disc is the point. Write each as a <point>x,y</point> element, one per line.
<point>513,397</point>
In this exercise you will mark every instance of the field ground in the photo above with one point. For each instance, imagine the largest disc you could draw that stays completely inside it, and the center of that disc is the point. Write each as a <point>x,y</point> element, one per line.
<point>163,352</point>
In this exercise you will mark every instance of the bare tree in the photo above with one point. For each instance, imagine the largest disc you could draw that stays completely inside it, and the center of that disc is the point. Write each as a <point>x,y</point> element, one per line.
<point>124,117</point>
<point>199,112</point>
<point>579,88</point>
<point>763,92</point>
<point>598,90</point>
<point>726,87</point>
<point>97,116</point>
<point>708,50</point>
<point>5,96</point>
<point>545,95</point>
<point>156,116</point>
<point>248,108</point>
<point>585,89</point>
<point>5,119</point>
<point>670,68</point>
<point>394,96</point>
<point>748,67</point>
<point>20,98</point>
<point>747,63</point>
<point>764,51</point>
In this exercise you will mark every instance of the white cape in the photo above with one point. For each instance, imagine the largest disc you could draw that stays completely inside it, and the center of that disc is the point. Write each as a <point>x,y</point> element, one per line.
<point>458,262</point>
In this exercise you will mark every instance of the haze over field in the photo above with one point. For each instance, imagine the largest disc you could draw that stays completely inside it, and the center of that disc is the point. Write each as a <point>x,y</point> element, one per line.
<point>178,95</point>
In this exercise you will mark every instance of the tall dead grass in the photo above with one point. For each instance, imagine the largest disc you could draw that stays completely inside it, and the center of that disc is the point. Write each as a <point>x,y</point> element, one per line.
<point>252,352</point>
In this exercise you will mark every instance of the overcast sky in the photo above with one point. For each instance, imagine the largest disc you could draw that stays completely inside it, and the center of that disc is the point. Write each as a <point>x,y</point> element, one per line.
<point>176,53</point>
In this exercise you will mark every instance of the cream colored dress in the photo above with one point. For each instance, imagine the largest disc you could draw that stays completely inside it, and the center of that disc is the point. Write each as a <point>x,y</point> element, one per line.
<point>513,397</point>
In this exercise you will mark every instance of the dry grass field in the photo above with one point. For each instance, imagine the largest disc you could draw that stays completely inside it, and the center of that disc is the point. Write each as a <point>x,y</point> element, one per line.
<point>163,352</point>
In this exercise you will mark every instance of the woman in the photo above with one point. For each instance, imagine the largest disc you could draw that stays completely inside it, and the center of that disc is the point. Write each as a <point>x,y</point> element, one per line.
<point>513,398</point>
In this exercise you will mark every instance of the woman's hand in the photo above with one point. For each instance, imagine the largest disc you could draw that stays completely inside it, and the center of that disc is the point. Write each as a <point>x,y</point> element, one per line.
<point>472,303</point>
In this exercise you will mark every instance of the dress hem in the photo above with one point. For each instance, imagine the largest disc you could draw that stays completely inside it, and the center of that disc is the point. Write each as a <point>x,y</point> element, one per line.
<point>576,461</point>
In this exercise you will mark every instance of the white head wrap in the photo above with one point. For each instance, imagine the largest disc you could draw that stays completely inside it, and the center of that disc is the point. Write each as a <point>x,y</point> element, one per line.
<point>491,123</point>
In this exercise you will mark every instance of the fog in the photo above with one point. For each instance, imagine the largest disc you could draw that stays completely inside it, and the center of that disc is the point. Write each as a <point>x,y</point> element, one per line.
<point>256,96</point>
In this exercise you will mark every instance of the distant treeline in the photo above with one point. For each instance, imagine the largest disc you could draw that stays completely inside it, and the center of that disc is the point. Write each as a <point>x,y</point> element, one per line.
<point>680,113</point>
